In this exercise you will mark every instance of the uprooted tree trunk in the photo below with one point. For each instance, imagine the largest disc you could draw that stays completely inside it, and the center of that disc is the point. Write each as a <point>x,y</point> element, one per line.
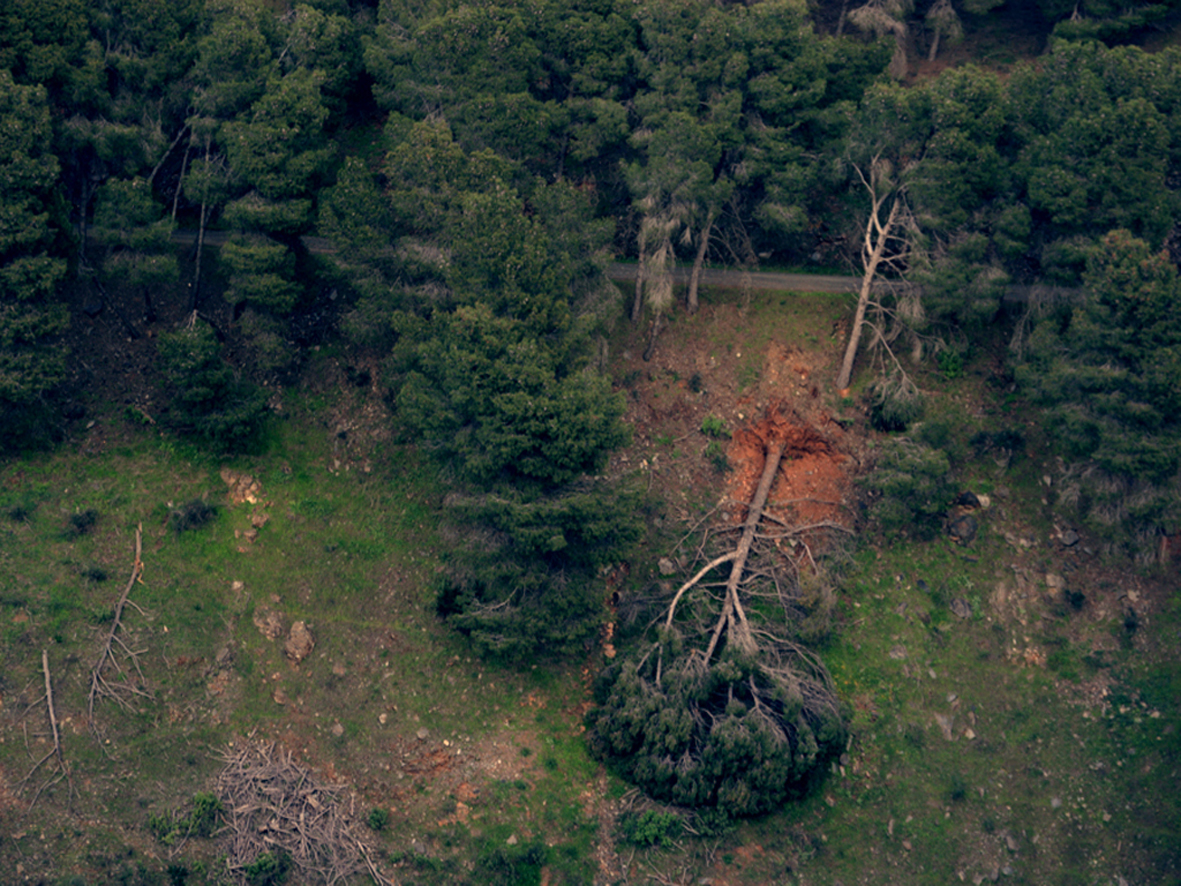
<point>727,708</point>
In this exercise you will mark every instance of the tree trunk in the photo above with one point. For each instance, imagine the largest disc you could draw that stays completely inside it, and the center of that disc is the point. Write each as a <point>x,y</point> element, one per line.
<point>871,267</point>
<point>638,301</point>
<point>699,261</point>
<point>195,295</point>
<point>733,621</point>
<point>934,46</point>
<point>651,349</point>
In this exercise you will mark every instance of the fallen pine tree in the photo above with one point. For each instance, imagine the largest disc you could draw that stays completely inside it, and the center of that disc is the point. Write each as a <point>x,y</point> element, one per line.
<point>725,707</point>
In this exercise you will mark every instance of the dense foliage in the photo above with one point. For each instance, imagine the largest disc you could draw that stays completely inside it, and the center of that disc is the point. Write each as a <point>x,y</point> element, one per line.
<point>739,734</point>
<point>1108,373</point>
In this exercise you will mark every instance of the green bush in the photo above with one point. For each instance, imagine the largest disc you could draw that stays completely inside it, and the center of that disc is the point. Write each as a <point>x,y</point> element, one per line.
<point>503,864</point>
<point>377,819</point>
<point>894,403</point>
<point>268,869</point>
<point>522,574</point>
<point>712,426</point>
<point>911,489</point>
<point>191,515</point>
<point>716,456</point>
<point>650,828</point>
<point>209,402</point>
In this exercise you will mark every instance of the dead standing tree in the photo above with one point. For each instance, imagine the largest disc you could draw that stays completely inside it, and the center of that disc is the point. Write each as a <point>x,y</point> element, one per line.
<point>888,245</point>
<point>727,708</point>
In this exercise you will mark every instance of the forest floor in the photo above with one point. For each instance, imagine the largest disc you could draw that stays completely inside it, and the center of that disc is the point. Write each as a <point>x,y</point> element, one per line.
<point>1014,701</point>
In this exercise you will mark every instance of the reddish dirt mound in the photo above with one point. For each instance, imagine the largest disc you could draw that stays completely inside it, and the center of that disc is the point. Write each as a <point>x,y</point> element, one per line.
<point>812,485</point>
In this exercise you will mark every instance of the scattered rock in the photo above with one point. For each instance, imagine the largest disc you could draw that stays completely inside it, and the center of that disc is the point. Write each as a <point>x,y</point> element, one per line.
<point>1020,542</point>
<point>1011,843</point>
<point>242,487</point>
<point>1055,582</point>
<point>945,725</point>
<point>269,622</point>
<point>337,730</point>
<point>969,735</point>
<point>299,643</point>
<point>259,519</point>
<point>963,529</point>
<point>666,566</point>
<point>422,734</point>
<point>1068,537</point>
<point>512,840</point>
<point>961,607</point>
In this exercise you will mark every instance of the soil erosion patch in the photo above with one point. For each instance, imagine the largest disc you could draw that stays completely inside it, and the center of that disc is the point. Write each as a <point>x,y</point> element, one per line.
<point>811,486</point>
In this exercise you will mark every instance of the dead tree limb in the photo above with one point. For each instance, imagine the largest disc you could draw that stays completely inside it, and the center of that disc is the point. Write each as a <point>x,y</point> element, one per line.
<point>99,686</point>
<point>56,750</point>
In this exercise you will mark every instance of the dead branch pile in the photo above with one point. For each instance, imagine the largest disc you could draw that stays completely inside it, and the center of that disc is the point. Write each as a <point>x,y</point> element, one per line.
<point>277,807</point>
<point>727,707</point>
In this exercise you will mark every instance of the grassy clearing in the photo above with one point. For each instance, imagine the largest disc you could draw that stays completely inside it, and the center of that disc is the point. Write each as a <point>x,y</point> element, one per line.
<point>479,772</point>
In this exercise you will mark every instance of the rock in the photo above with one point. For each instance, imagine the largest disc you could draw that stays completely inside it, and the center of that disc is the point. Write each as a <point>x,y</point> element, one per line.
<point>269,622</point>
<point>666,566</point>
<point>967,500</point>
<point>945,725</point>
<point>242,487</point>
<point>299,643</point>
<point>422,734</point>
<point>279,697</point>
<point>92,308</point>
<point>418,847</point>
<point>961,607</point>
<point>1011,843</point>
<point>969,735</point>
<point>338,669</point>
<point>1055,803</point>
<point>1055,582</point>
<point>963,529</point>
<point>985,502</point>
<point>512,840</point>
<point>337,730</point>
<point>906,845</point>
<point>897,653</point>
